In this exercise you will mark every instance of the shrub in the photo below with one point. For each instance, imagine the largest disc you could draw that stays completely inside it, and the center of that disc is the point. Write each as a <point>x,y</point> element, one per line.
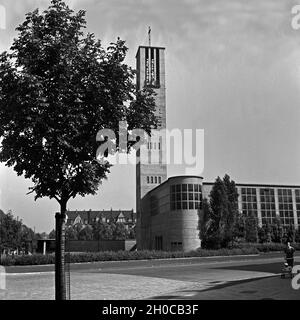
<point>39,259</point>
<point>266,247</point>
<point>236,249</point>
<point>35,259</point>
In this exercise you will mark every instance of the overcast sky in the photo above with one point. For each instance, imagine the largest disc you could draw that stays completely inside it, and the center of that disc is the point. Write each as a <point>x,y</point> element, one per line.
<point>232,69</point>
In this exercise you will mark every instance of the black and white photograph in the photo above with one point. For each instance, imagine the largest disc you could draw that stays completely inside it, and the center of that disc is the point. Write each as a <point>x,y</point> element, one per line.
<point>149,151</point>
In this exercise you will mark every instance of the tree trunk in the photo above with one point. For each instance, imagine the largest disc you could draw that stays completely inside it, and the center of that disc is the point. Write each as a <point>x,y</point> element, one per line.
<point>60,276</point>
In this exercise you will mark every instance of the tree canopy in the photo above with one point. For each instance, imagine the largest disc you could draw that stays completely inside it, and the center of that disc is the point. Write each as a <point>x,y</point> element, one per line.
<point>58,88</point>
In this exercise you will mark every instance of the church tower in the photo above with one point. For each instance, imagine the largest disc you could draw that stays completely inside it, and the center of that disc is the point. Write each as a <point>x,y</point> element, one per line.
<point>150,66</point>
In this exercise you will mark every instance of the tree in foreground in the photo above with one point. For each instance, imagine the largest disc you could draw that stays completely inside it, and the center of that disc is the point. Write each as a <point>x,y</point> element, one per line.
<point>58,88</point>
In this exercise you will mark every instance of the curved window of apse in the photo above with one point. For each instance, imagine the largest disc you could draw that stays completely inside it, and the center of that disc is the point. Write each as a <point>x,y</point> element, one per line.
<point>185,197</point>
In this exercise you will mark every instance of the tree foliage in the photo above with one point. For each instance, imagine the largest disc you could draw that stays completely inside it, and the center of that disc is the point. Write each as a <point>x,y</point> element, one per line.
<point>13,233</point>
<point>204,220</point>
<point>239,227</point>
<point>217,223</point>
<point>100,231</point>
<point>233,212</point>
<point>277,231</point>
<point>58,88</point>
<point>103,230</point>
<point>251,228</point>
<point>120,232</point>
<point>52,234</point>
<point>85,234</point>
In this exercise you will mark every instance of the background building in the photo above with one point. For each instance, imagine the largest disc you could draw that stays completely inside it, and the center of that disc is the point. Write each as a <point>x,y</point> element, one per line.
<point>83,217</point>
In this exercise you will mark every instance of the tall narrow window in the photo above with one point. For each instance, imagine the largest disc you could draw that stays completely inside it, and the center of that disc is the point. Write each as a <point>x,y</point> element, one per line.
<point>151,179</point>
<point>157,68</point>
<point>148,180</point>
<point>147,67</point>
<point>155,178</point>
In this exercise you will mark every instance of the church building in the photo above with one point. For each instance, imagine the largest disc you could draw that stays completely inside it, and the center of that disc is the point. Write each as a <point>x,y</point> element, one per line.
<point>168,208</point>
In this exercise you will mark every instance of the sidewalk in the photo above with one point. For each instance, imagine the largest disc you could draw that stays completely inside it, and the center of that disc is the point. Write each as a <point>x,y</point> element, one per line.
<point>90,286</point>
<point>114,286</point>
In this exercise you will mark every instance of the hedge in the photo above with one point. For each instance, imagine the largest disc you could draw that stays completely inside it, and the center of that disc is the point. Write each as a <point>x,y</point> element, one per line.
<point>39,259</point>
<point>240,249</point>
<point>268,247</point>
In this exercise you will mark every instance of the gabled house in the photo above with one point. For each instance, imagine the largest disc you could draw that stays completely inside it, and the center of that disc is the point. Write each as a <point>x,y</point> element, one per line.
<point>89,217</point>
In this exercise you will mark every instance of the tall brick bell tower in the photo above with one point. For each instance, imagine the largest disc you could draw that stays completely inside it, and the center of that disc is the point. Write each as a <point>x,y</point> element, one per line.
<point>150,66</point>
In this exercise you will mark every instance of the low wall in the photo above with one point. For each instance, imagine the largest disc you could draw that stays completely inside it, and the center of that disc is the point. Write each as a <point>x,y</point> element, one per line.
<point>94,246</point>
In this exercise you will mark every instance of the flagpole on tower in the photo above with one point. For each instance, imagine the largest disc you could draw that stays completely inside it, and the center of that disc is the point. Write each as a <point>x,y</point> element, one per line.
<point>149,35</point>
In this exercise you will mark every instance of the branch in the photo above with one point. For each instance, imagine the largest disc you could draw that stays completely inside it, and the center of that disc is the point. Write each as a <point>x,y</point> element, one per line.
<point>57,199</point>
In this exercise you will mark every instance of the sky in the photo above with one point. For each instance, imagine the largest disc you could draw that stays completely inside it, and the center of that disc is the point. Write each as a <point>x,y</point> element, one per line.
<point>232,69</point>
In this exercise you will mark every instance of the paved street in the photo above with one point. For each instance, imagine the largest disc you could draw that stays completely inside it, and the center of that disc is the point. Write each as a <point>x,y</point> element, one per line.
<point>251,277</point>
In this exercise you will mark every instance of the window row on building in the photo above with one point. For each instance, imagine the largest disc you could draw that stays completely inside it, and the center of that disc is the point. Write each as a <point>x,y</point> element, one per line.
<point>249,204</point>
<point>268,207</point>
<point>285,201</point>
<point>153,179</point>
<point>249,201</point>
<point>186,197</point>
